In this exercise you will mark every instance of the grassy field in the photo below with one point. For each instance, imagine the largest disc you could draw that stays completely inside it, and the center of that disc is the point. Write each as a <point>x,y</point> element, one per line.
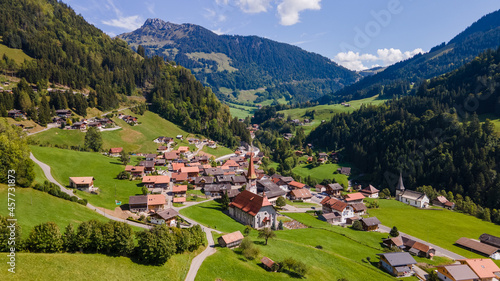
<point>301,204</point>
<point>325,112</point>
<point>240,111</point>
<point>217,152</point>
<point>210,214</point>
<point>440,227</point>
<point>26,123</point>
<point>95,267</point>
<point>16,54</point>
<point>339,257</point>
<point>68,163</point>
<point>137,138</point>
<point>494,119</point>
<point>324,171</point>
<point>34,207</point>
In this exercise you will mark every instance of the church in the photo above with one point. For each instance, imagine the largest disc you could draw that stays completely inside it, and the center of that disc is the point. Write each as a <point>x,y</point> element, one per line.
<point>410,197</point>
<point>250,208</point>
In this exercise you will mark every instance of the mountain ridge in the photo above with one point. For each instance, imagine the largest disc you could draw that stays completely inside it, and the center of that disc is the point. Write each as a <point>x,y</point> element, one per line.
<point>286,70</point>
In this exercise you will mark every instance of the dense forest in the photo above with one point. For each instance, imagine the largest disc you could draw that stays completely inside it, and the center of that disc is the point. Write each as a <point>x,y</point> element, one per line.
<point>259,62</point>
<point>69,51</point>
<point>480,36</point>
<point>433,136</point>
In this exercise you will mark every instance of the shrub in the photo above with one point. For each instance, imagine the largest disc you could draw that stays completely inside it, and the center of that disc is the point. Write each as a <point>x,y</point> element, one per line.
<point>357,225</point>
<point>251,253</point>
<point>123,175</point>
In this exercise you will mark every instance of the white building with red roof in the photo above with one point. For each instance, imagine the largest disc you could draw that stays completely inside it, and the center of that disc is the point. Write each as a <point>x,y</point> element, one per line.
<point>254,210</point>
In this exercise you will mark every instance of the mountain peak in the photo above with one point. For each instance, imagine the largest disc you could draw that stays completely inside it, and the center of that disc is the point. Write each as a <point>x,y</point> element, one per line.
<point>158,24</point>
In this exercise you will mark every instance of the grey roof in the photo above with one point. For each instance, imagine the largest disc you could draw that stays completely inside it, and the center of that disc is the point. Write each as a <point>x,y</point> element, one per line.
<point>461,272</point>
<point>147,164</point>
<point>168,213</point>
<point>208,180</point>
<point>231,193</point>
<point>414,195</point>
<point>490,240</point>
<point>287,179</point>
<point>358,207</point>
<point>239,179</point>
<point>225,178</point>
<point>399,258</point>
<point>330,215</point>
<point>139,199</point>
<point>335,186</point>
<point>270,188</point>
<point>214,171</point>
<point>402,269</point>
<point>371,221</point>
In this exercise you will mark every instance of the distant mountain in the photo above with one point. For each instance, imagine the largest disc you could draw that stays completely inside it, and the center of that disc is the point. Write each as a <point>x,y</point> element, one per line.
<point>480,36</point>
<point>242,62</point>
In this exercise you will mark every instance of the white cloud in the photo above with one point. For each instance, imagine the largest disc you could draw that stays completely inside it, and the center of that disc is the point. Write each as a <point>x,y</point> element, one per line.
<point>252,6</point>
<point>128,23</point>
<point>288,10</point>
<point>218,31</point>
<point>151,8</point>
<point>384,57</point>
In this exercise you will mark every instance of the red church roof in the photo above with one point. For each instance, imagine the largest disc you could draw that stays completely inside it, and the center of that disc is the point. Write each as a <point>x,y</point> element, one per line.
<point>249,202</point>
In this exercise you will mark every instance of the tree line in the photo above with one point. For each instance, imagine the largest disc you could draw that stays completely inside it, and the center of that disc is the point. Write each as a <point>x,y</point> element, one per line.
<point>154,246</point>
<point>434,137</point>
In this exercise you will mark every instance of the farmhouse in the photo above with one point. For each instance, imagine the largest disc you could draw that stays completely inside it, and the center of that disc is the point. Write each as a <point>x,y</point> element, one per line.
<point>344,171</point>
<point>65,113</point>
<point>143,203</point>
<point>179,193</point>
<point>301,194</point>
<point>15,113</point>
<point>167,216</point>
<point>478,247</point>
<point>82,183</point>
<point>394,242</point>
<point>490,240</point>
<point>252,209</point>
<point>135,171</point>
<point>149,166</point>
<point>417,248</point>
<point>370,224</point>
<point>456,272</point>
<point>115,151</point>
<point>485,269</point>
<point>359,209</point>
<point>334,189</point>
<point>399,264</point>
<point>179,177</point>
<point>156,181</point>
<point>340,209</point>
<point>231,240</point>
<point>441,201</point>
<point>192,172</point>
<point>370,191</point>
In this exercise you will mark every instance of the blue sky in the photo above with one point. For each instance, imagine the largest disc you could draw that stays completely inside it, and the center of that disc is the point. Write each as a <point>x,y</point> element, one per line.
<point>358,34</point>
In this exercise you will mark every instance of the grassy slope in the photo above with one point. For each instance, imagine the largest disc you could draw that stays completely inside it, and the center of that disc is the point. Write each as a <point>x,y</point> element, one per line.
<point>217,152</point>
<point>34,207</point>
<point>68,163</point>
<point>340,257</point>
<point>16,54</point>
<point>442,228</point>
<point>324,171</point>
<point>95,267</point>
<point>325,112</point>
<point>137,138</point>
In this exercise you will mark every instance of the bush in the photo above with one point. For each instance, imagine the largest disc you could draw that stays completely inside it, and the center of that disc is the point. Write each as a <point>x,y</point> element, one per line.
<point>251,253</point>
<point>394,232</point>
<point>357,225</point>
<point>123,175</point>
<point>294,266</point>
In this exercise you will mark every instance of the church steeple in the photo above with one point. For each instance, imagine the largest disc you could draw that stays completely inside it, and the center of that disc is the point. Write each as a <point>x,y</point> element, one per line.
<point>400,185</point>
<point>251,175</point>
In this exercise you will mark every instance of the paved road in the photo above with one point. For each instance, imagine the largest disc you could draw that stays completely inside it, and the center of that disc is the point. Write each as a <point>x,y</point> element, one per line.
<point>46,171</point>
<point>210,250</point>
<point>439,251</point>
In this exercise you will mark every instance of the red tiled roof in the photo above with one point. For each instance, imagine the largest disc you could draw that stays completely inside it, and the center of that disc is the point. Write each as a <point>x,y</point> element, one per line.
<point>249,202</point>
<point>179,176</point>
<point>334,204</point>
<point>172,155</point>
<point>301,193</point>
<point>156,179</point>
<point>177,166</point>
<point>156,199</point>
<point>232,237</point>
<point>296,184</point>
<point>267,262</point>
<point>179,188</point>
<point>190,170</point>
<point>179,199</point>
<point>231,163</point>
<point>115,150</point>
<point>354,196</point>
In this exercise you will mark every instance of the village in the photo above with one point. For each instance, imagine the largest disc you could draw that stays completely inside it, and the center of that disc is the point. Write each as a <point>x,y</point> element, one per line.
<point>176,179</point>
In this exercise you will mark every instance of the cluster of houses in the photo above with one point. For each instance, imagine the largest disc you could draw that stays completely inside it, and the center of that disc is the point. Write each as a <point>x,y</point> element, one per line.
<point>345,209</point>
<point>411,246</point>
<point>488,245</point>
<point>132,120</point>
